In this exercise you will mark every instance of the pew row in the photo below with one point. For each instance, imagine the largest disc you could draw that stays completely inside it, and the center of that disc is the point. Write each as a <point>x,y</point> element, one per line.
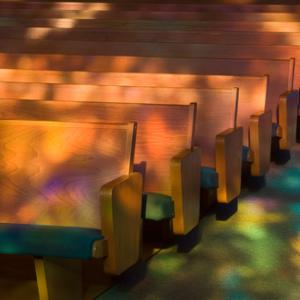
<point>140,6</point>
<point>252,98</point>
<point>163,151</point>
<point>133,15</point>
<point>155,36</point>
<point>154,154</point>
<point>280,71</point>
<point>51,198</point>
<point>163,24</point>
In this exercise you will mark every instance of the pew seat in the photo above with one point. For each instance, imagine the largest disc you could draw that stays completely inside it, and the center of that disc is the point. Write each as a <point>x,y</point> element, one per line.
<point>45,240</point>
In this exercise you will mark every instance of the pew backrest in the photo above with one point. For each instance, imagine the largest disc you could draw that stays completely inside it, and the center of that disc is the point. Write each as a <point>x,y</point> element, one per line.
<point>163,130</point>
<point>52,172</point>
<point>280,71</point>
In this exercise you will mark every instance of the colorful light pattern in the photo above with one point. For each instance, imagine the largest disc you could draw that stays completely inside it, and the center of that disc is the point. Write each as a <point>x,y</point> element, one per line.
<point>254,255</point>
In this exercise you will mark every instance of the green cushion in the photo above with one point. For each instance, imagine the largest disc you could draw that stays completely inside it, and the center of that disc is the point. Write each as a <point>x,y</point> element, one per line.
<point>209,178</point>
<point>245,153</point>
<point>157,207</point>
<point>42,240</point>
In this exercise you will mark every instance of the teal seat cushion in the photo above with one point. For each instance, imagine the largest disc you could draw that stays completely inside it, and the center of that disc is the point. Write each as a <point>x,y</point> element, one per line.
<point>209,178</point>
<point>43,240</point>
<point>157,207</point>
<point>245,153</point>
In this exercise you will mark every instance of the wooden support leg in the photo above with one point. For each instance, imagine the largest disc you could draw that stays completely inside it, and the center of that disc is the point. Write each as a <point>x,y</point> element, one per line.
<point>58,279</point>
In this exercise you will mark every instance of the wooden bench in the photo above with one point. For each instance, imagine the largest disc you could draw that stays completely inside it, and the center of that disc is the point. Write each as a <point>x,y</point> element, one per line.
<point>250,104</point>
<point>212,105</point>
<point>198,7</point>
<point>164,142</point>
<point>51,198</point>
<point>278,83</point>
<point>128,15</point>
<point>147,36</point>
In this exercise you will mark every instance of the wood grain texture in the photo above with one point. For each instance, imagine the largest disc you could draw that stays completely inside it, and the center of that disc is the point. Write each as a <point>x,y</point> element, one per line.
<point>288,111</point>
<point>51,172</point>
<point>260,142</point>
<point>185,175</point>
<point>131,15</point>
<point>121,206</point>
<point>163,131</point>
<point>229,164</point>
<point>252,90</point>
<point>148,35</point>
<point>212,104</point>
<point>278,70</point>
<point>204,6</point>
<point>58,279</point>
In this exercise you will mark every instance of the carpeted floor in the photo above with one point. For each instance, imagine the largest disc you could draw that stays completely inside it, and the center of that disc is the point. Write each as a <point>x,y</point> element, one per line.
<point>254,255</point>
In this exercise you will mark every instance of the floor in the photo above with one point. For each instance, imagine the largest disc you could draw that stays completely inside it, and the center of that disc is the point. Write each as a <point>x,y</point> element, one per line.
<point>254,255</point>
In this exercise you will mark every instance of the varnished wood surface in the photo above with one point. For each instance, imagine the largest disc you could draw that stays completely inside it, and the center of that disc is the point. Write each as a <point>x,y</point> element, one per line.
<point>185,177</point>
<point>207,6</point>
<point>128,14</point>
<point>212,104</point>
<point>229,164</point>
<point>279,70</point>
<point>252,90</point>
<point>260,142</point>
<point>172,36</point>
<point>288,112</point>
<point>59,279</point>
<point>51,172</point>
<point>121,206</point>
<point>163,130</point>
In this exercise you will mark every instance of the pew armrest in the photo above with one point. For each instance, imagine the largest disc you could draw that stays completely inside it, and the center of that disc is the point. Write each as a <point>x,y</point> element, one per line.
<point>229,164</point>
<point>260,142</point>
<point>288,107</point>
<point>185,184</point>
<point>121,205</point>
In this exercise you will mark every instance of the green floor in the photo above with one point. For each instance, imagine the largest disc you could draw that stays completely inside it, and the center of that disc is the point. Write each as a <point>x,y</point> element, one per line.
<point>254,255</point>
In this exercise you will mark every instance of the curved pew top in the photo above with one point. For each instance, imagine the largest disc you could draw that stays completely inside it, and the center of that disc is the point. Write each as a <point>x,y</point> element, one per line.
<point>51,172</point>
<point>212,104</point>
<point>147,36</point>
<point>280,71</point>
<point>163,130</point>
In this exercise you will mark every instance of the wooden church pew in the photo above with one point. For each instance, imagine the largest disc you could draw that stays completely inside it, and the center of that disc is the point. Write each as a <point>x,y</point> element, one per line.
<point>128,15</point>
<point>272,26</point>
<point>142,6</point>
<point>279,83</point>
<point>164,142</point>
<point>59,217</point>
<point>212,105</point>
<point>252,97</point>
<point>147,36</point>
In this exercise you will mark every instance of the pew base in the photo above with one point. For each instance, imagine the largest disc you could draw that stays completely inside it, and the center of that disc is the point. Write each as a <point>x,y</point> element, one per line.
<point>252,183</point>
<point>224,211</point>
<point>208,201</point>
<point>279,156</point>
<point>298,130</point>
<point>58,279</point>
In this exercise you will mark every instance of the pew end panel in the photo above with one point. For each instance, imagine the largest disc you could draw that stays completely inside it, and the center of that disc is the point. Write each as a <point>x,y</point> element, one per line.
<point>260,142</point>
<point>185,179</point>
<point>121,222</point>
<point>229,164</point>
<point>288,106</point>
